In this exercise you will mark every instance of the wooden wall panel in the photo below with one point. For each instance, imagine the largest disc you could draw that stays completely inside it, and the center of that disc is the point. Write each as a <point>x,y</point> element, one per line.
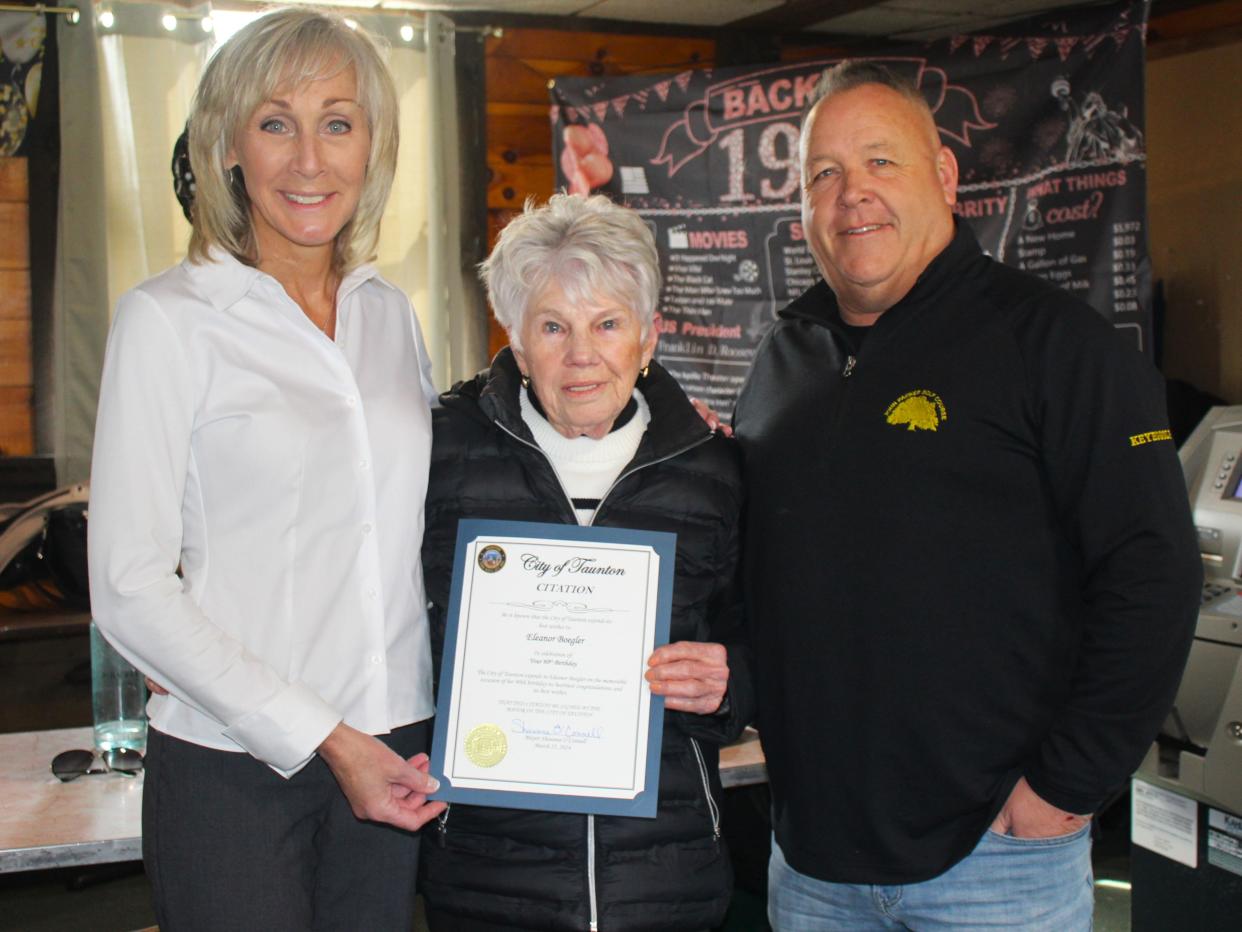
<point>16,420</point>
<point>526,80</point>
<point>513,183</point>
<point>14,236</point>
<point>519,156</point>
<point>1195,225</point>
<point>16,378</point>
<point>1194,29</point>
<point>523,134</point>
<point>13,180</point>
<point>15,353</point>
<point>14,294</point>
<point>655,53</point>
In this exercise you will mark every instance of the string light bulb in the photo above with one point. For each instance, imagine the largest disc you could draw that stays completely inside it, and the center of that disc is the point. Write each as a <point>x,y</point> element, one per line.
<point>207,24</point>
<point>106,19</point>
<point>407,33</point>
<point>169,22</point>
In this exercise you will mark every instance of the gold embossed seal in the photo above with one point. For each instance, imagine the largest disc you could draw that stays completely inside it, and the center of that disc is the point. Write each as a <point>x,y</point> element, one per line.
<point>486,745</point>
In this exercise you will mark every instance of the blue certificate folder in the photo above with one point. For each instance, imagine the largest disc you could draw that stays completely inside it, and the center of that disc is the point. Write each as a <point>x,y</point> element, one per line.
<point>468,531</point>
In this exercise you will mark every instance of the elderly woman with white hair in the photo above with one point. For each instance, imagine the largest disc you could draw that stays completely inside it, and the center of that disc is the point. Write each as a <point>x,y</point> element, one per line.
<point>576,423</point>
<point>260,463</point>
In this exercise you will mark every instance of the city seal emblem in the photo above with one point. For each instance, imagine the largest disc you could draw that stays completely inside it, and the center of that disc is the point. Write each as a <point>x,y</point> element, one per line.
<point>491,558</point>
<point>917,410</point>
<point>486,745</point>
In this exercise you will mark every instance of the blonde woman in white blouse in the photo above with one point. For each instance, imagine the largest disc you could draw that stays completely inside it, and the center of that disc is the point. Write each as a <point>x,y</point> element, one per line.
<point>260,465</point>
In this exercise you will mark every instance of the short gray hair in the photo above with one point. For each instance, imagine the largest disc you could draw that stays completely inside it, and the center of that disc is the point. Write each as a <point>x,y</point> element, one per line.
<point>856,72</point>
<point>285,47</point>
<point>589,246</point>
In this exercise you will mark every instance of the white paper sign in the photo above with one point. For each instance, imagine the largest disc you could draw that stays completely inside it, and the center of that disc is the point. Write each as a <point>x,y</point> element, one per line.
<point>1225,840</point>
<point>1164,822</point>
<point>1230,607</point>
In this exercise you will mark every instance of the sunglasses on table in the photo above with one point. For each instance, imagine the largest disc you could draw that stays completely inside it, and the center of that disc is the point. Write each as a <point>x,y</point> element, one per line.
<point>69,765</point>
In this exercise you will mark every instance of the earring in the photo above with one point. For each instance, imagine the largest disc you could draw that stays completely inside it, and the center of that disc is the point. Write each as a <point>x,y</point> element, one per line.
<point>525,380</point>
<point>642,373</point>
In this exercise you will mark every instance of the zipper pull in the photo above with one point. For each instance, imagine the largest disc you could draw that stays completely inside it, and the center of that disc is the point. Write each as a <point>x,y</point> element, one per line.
<point>442,830</point>
<point>850,363</point>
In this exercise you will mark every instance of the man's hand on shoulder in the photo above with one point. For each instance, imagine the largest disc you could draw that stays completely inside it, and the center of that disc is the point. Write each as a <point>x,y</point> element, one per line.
<point>710,417</point>
<point>379,784</point>
<point>1027,815</point>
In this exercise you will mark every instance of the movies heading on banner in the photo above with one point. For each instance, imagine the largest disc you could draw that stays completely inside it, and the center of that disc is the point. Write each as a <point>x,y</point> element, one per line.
<point>1045,118</point>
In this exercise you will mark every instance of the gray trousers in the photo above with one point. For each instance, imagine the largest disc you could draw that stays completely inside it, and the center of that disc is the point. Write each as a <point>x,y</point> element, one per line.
<point>229,845</point>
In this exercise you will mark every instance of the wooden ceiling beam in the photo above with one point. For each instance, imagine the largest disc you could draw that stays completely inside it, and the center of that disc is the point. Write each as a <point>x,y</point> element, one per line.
<point>1193,28</point>
<point>1165,24</point>
<point>794,15</point>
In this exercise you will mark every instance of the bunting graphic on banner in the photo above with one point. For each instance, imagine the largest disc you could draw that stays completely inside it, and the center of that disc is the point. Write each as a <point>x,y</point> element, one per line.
<point>1051,155</point>
<point>22,38</point>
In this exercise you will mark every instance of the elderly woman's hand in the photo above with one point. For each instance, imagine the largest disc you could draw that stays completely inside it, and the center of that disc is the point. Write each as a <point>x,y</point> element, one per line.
<point>691,676</point>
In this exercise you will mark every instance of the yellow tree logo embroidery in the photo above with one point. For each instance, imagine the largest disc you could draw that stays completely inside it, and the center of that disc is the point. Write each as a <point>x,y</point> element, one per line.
<point>917,410</point>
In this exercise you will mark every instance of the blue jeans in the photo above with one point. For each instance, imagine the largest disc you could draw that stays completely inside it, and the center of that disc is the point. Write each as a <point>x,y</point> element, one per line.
<point>1032,884</point>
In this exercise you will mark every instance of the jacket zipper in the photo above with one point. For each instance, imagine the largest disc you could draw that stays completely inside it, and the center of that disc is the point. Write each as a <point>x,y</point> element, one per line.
<point>615,482</point>
<point>442,826</point>
<point>538,449</point>
<point>712,809</point>
<point>838,408</point>
<point>711,803</point>
<point>628,473</point>
<point>591,872</point>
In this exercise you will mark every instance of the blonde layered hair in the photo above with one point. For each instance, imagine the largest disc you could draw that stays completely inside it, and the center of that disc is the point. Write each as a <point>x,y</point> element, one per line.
<point>282,49</point>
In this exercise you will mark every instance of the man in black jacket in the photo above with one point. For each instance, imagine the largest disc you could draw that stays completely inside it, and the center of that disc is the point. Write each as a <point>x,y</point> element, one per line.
<point>972,573</point>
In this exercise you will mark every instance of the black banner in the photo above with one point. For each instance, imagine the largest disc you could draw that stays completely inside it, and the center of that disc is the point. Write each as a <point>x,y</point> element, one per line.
<point>22,37</point>
<point>1045,118</point>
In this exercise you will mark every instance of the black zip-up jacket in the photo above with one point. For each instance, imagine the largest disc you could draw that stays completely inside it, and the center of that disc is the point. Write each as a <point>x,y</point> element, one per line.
<point>969,558</point>
<point>522,869</point>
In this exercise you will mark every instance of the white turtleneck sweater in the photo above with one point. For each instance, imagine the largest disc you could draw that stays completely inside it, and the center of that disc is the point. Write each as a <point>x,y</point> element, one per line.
<point>587,468</point>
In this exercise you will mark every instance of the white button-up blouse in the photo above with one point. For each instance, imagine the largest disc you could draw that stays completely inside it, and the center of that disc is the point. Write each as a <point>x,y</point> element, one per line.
<point>283,473</point>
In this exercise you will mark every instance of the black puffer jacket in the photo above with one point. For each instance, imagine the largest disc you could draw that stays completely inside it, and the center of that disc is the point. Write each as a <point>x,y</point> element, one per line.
<point>522,869</point>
